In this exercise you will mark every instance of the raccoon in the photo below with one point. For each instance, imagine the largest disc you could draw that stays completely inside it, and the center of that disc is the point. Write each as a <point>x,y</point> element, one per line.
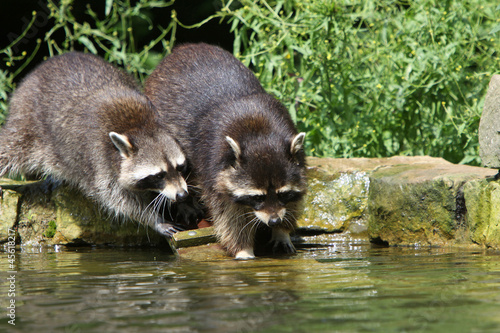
<point>246,155</point>
<point>79,119</point>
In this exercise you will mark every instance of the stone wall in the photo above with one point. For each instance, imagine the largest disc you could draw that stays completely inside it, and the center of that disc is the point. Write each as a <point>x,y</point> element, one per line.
<point>410,201</point>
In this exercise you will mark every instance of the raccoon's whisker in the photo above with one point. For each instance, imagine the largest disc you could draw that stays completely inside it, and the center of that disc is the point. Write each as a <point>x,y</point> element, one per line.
<point>167,204</point>
<point>247,214</point>
<point>159,201</point>
<point>288,223</point>
<point>289,218</point>
<point>151,210</point>
<point>254,226</point>
<point>166,207</point>
<point>252,222</point>
<point>193,188</point>
<point>146,210</point>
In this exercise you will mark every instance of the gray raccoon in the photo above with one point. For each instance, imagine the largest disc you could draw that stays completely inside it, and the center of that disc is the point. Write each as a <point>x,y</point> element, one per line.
<point>245,152</point>
<point>80,120</point>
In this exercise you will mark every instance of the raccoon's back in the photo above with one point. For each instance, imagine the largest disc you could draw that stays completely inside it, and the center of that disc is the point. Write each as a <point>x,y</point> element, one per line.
<point>195,78</point>
<point>81,74</point>
<point>59,84</point>
<point>54,123</point>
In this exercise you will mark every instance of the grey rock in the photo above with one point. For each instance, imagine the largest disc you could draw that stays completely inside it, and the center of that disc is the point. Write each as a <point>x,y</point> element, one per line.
<point>489,126</point>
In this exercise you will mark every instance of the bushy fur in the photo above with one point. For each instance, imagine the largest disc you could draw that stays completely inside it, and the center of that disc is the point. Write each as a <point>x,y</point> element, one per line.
<point>240,141</point>
<point>79,119</point>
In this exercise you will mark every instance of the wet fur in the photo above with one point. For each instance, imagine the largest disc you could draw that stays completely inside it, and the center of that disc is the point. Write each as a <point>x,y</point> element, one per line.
<point>59,125</point>
<point>206,96</point>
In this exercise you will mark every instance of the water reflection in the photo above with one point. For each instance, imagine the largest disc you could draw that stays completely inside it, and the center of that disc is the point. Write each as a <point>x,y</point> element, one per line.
<point>345,286</point>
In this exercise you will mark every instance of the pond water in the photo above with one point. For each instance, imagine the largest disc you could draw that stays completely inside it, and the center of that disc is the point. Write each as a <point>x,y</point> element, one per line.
<point>347,286</point>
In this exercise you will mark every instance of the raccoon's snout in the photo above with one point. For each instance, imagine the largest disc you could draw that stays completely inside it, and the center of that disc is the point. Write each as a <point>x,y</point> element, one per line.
<point>274,221</point>
<point>176,190</point>
<point>181,196</point>
<point>175,194</point>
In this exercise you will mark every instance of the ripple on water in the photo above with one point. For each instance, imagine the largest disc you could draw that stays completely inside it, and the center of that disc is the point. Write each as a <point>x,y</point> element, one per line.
<point>348,285</point>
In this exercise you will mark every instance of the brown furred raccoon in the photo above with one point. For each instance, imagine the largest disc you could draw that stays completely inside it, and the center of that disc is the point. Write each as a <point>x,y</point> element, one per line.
<point>81,120</point>
<point>245,152</point>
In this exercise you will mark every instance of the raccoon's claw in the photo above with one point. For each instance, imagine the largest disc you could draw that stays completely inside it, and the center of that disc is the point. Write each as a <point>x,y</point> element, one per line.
<point>281,242</point>
<point>286,248</point>
<point>168,229</point>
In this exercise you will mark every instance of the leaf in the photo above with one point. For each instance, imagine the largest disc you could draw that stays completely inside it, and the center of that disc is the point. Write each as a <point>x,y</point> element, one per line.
<point>88,44</point>
<point>495,29</point>
<point>109,5</point>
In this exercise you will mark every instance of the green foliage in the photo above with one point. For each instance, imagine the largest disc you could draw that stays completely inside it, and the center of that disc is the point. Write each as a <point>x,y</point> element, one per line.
<point>114,35</point>
<point>374,78</point>
<point>364,78</point>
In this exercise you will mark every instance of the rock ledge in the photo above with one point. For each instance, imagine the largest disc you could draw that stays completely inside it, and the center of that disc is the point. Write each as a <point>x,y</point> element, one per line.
<point>407,201</point>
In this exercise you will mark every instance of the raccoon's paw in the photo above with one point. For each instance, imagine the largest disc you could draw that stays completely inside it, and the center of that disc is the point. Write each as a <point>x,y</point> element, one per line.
<point>245,254</point>
<point>281,242</point>
<point>168,229</point>
<point>189,213</point>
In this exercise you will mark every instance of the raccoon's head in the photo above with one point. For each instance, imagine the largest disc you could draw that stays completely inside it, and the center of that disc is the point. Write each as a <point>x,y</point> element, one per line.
<point>151,164</point>
<point>267,177</point>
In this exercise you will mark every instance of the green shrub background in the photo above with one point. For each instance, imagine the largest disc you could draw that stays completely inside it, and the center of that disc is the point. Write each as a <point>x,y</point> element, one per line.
<point>362,78</point>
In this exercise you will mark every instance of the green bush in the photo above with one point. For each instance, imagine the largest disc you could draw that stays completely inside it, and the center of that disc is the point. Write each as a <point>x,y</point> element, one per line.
<point>375,78</point>
<point>366,78</point>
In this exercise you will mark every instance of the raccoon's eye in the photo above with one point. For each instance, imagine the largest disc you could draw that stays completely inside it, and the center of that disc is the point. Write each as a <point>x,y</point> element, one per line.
<point>151,182</point>
<point>160,175</point>
<point>258,198</point>
<point>181,168</point>
<point>255,201</point>
<point>289,196</point>
<point>154,178</point>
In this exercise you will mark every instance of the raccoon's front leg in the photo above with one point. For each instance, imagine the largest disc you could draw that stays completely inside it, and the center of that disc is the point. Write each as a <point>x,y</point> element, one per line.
<point>281,240</point>
<point>235,234</point>
<point>165,228</point>
<point>245,254</point>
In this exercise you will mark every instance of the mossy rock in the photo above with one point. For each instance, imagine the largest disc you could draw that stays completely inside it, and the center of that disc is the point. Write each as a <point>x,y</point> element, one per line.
<point>338,188</point>
<point>47,213</point>
<point>336,202</point>
<point>9,202</point>
<point>483,211</point>
<point>397,201</point>
<point>421,204</point>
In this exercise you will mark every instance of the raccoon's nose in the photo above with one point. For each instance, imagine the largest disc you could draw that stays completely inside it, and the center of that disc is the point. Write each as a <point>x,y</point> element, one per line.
<point>274,221</point>
<point>181,196</point>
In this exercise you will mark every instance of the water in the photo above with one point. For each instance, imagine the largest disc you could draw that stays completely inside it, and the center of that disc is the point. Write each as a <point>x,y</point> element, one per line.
<point>348,286</point>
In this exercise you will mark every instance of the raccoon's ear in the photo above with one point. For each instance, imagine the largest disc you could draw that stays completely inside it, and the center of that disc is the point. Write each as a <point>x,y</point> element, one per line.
<point>234,146</point>
<point>297,143</point>
<point>122,143</point>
